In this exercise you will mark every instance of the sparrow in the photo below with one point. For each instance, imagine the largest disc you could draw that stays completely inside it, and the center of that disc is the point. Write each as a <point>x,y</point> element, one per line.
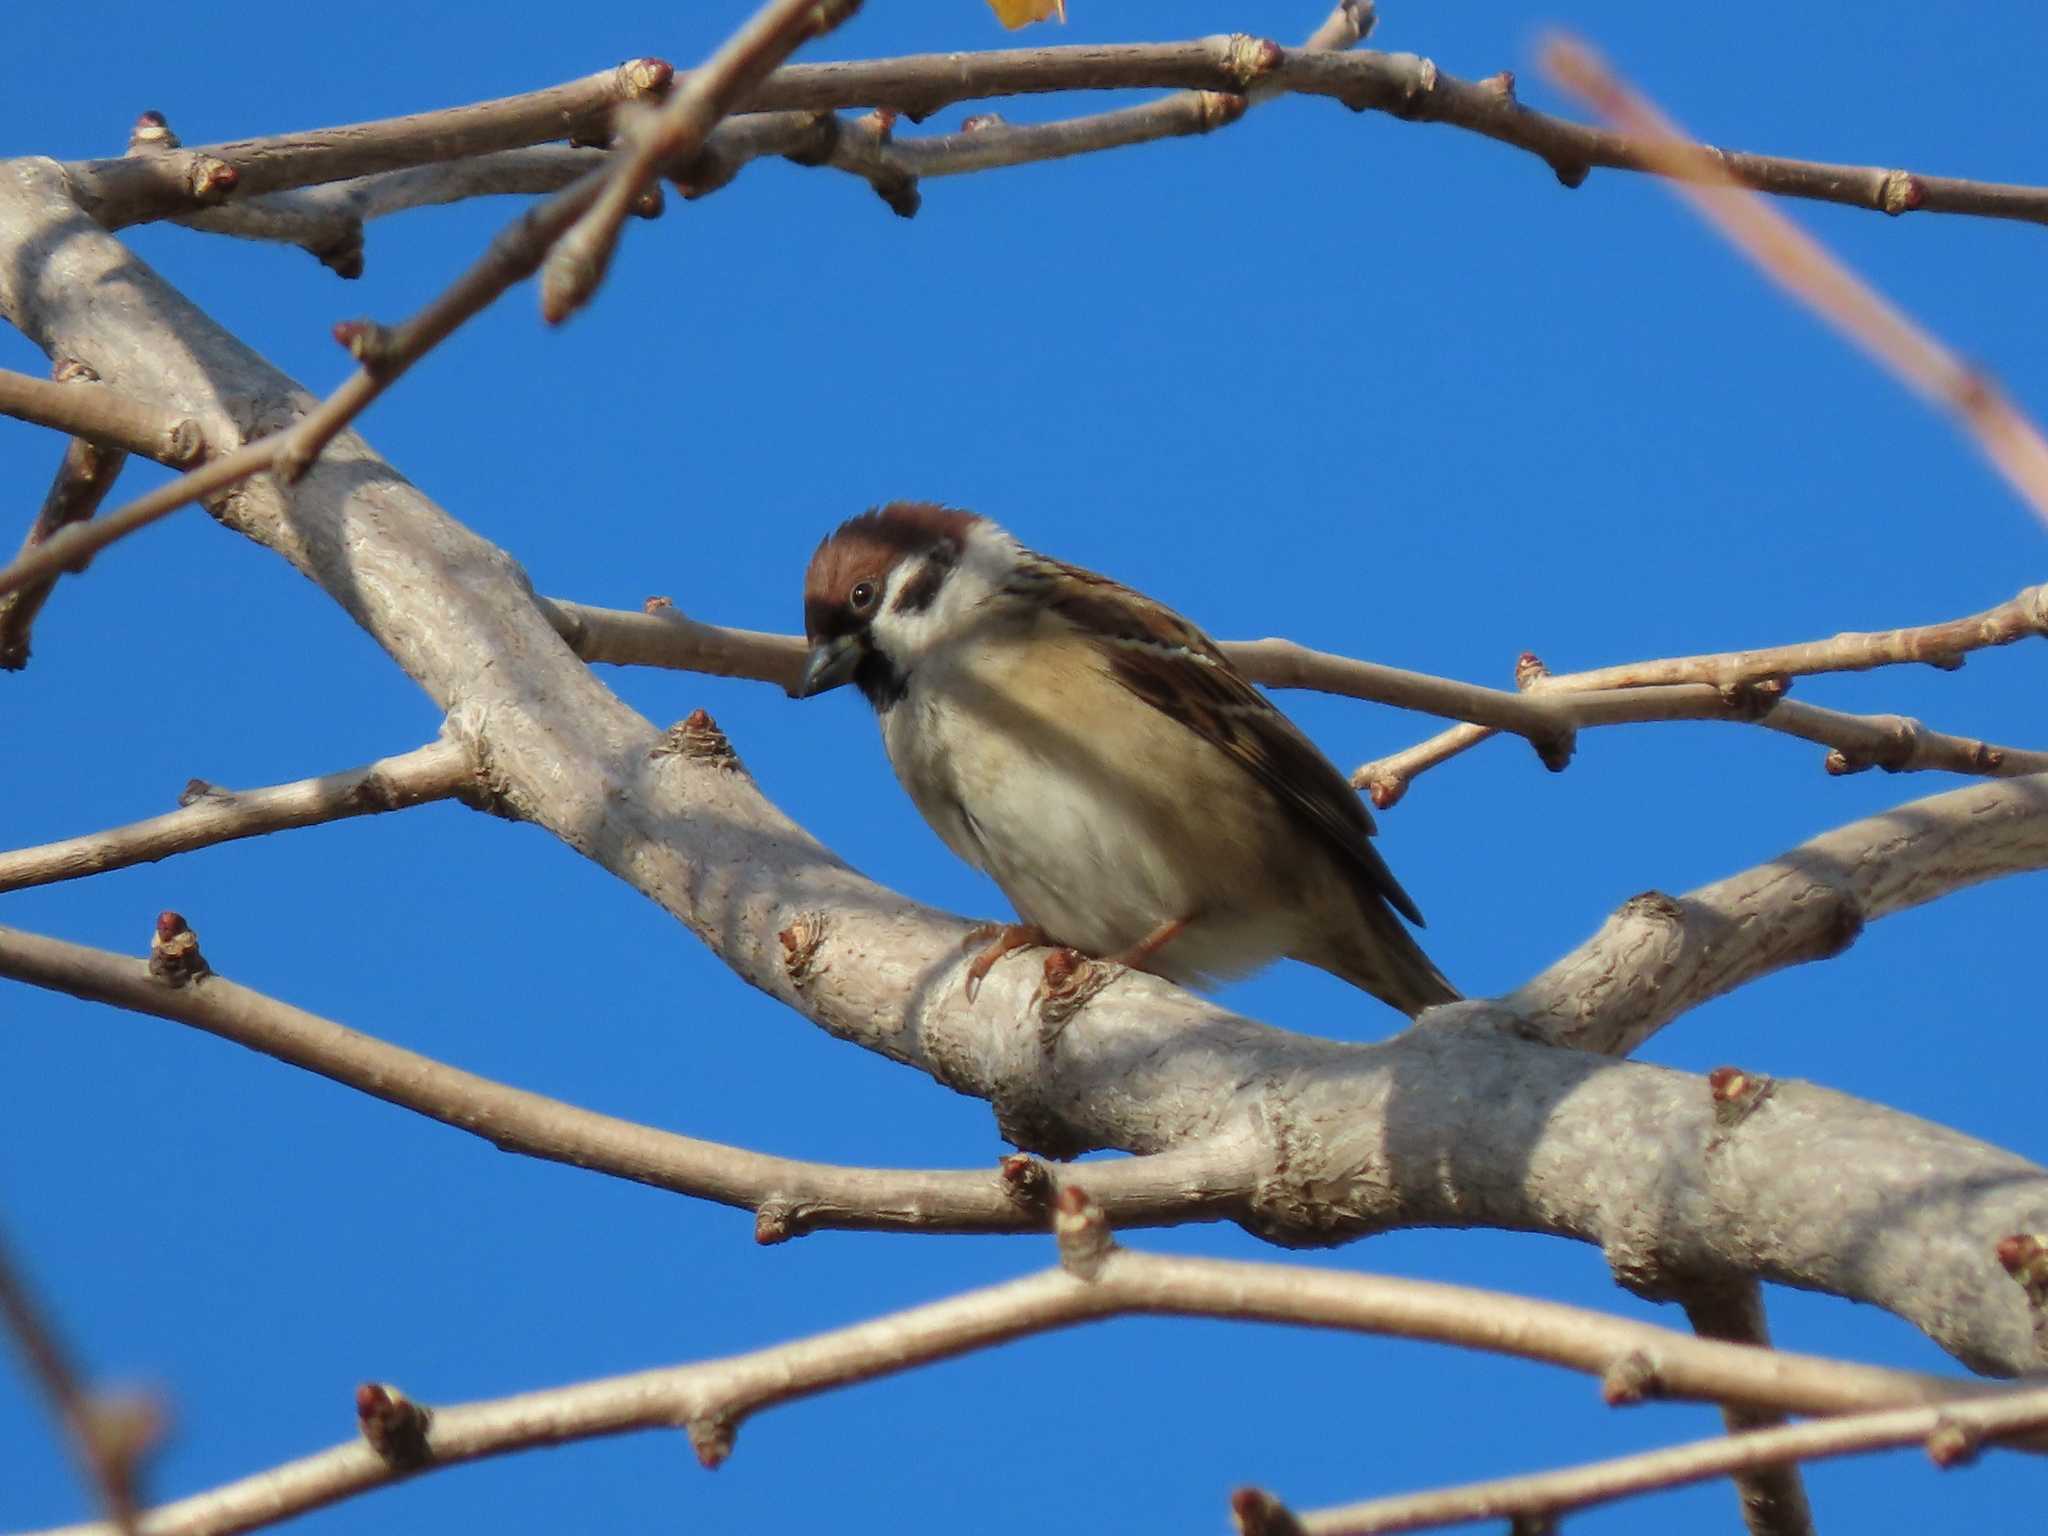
<point>1135,798</point>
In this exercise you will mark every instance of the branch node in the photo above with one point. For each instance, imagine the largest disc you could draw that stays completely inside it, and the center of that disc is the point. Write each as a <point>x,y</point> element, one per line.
<point>1082,1232</point>
<point>196,790</point>
<point>1954,1443</point>
<point>1751,698</point>
<point>210,180</point>
<point>711,1437</point>
<point>646,79</point>
<point>1220,108</point>
<point>1027,1181</point>
<point>777,1221</point>
<point>1529,670</point>
<point>1385,792</point>
<point>1248,58</point>
<point>1501,84</point>
<point>800,943</point>
<point>174,957</point>
<point>369,343</point>
<point>1068,984</point>
<point>1415,95</point>
<point>1900,192</point>
<point>1257,1513</point>
<point>151,134</point>
<point>1630,1380</point>
<point>982,121</point>
<point>698,737</point>
<point>1737,1094</point>
<point>1570,174</point>
<point>394,1425</point>
<point>1555,749</point>
<point>2025,1257</point>
<point>184,444</point>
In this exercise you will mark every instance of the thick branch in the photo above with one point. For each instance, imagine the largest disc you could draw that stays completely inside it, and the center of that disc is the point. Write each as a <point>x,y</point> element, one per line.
<point>714,1398</point>
<point>439,771</point>
<point>788,1197</point>
<point>1656,958</point>
<point>1450,1126</point>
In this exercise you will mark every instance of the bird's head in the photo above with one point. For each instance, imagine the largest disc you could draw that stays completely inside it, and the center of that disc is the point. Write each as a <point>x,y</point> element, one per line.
<point>889,586</point>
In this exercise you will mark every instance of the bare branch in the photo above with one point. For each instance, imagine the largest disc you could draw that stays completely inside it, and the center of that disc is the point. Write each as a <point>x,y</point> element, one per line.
<point>788,1198</point>
<point>108,1437</point>
<point>1951,1434</point>
<point>1440,1126</point>
<point>1549,717</point>
<point>438,771</point>
<point>84,475</point>
<point>1803,266</point>
<point>1656,958</point>
<point>713,1399</point>
<point>135,188</point>
<point>1945,645</point>
<point>1773,1497</point>
<point>178,182</point>
<point>100,415</point>
<point>579,258</point>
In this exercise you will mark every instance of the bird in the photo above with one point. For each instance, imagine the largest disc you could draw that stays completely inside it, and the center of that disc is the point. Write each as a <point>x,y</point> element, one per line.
<point>1130,792</point>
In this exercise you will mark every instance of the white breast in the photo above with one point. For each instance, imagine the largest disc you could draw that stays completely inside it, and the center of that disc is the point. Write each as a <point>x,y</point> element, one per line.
<point>1033,764</point>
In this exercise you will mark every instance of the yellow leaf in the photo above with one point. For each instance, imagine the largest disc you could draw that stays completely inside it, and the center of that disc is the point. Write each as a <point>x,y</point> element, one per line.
<point>1021,13</point>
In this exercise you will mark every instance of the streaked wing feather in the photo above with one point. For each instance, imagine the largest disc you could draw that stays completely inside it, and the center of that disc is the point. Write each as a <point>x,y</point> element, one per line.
<point>1164,660</point>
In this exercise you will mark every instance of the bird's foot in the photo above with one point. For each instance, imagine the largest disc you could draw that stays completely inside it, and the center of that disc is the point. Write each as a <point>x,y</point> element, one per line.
<point>999,939</point>
<point>1139,955</point>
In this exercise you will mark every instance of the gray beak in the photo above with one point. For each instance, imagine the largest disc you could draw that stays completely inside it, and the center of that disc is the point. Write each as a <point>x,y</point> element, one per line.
<point>830,664</point>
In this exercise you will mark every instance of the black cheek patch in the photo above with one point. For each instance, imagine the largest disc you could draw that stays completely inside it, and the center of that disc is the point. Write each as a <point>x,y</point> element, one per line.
<point>879,679</point>
<point>922,590</point>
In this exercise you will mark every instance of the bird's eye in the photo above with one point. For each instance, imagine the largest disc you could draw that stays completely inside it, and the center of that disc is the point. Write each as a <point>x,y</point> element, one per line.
<point>862,597</point>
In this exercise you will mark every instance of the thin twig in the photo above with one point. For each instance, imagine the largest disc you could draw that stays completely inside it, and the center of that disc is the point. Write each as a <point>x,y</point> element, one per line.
<point>1773,1496</point>
<point>1805,268</point>
<point>385,356</point>
<point>1945,645</point>
<point>134,188</point>
<point>107,1450</point>
<point>440,770</point>
<point>85,474</point>
<point>713,1399</point>
<point>1549,718</point>
<point>1402,85</point>
<point>1951,1434</point>
<point>101,415</point>
<point>788,1197</point>
<point>578,260</point>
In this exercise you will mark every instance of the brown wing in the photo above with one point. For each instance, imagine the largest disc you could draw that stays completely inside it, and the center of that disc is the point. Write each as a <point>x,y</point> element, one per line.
<point>1164,660</point>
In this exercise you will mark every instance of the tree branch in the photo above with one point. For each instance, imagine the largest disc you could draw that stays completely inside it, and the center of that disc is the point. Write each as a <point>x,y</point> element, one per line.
<point>1656,958</point>
<point>1407,87</point>
<point>1951,1435</point>
<point>714,1398</point>
<point>440,770</point>
<point>1440,1126</point>
<point>788,1198</point>
<point>134,188</point>
<point>108,1437</point>
<point>1810,273</point>
<point>1773,1497</point>
<point>100,415</point>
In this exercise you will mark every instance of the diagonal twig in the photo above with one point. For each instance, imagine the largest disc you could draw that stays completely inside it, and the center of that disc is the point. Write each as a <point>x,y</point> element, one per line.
<point>440,770</point>
<point>1804,267</point>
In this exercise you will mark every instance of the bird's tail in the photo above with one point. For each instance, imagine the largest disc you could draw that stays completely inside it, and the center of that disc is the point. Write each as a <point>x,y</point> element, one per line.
<point>1382,957</point>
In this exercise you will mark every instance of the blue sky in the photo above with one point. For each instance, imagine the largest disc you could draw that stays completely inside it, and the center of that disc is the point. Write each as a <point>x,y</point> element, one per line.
<point>1381,387</point>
